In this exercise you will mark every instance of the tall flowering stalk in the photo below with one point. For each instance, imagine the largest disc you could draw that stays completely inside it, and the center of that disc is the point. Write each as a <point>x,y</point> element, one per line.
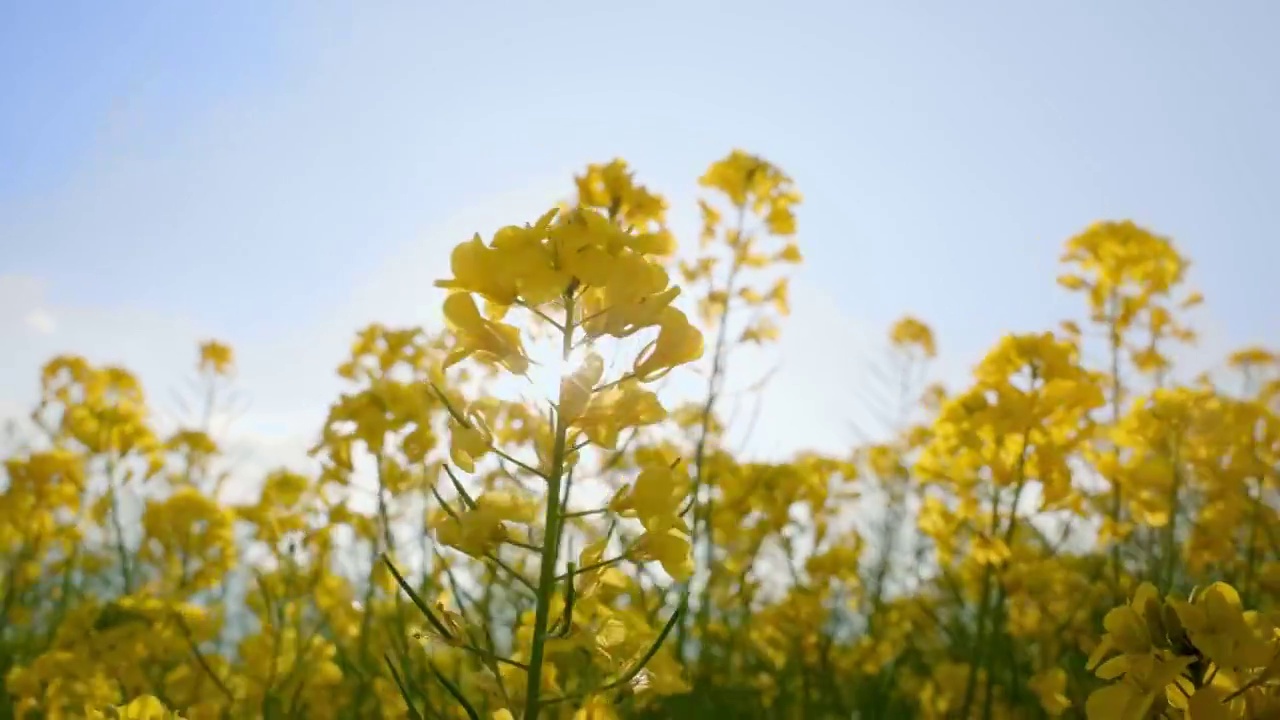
<point>590,272</point>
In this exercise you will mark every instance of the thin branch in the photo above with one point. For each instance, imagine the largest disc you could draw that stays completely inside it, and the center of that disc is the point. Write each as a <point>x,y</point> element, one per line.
<point>540,314</point>
<point>404,691</point>
<point>457,485</point>
<point>588,568</point>
<point>200,659</point>
<point>454,691</point>
<point>417,600</point>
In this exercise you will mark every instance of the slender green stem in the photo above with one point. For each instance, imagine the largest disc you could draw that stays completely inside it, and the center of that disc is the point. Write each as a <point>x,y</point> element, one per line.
<point>984,607</point>
<point>1255,519</point>
<point>701,511</point>
<point>200,658</point>
<point>514,573</point>
<point>998,621</point>
<point>545,317</point>
<point>989,604</point>
<point>1117,498</point>
<point>593,566</point>
<point>117,525</point>
<point>520,463</point>
<point>551,543</point>
<point>613,383</point>
<point>1171,530</point>
<point>414,713</point>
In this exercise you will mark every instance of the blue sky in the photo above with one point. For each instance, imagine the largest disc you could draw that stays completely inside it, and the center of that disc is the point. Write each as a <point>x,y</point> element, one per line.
<point>278,174</point>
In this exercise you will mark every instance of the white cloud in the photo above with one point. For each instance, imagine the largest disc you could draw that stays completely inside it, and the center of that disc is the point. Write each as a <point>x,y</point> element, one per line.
<point>41,321</point>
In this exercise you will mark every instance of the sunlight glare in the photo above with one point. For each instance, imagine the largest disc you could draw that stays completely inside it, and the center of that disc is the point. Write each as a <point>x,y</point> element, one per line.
<point>549,367</point>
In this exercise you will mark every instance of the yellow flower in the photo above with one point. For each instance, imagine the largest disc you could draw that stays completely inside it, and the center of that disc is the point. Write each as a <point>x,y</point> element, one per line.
<point>1127,629</point>
<point>1050,686</point>
<point>670,547</point>
<point>678,342</point>
<point>216,357</point>
<point>576,388</point>
<point>910,332</point>
<point>468,443</point>
<point>596,708</point>
<point>1208,704</point>
<point>1144,682</point>
<point>145,707</point>
<point>790,254</point>
<point>625,405</point>
<point>479,530</point>
<point>486,339</point>
<point>655,497</point>
<point>1215,623</point>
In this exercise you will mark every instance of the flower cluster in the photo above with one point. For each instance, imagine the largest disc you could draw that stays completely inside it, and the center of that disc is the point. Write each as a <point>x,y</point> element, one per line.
<point>1083,529</point>
<point>1205,657</point>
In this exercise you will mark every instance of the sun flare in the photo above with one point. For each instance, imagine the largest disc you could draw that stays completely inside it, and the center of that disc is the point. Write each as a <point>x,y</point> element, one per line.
<point>549,366</point>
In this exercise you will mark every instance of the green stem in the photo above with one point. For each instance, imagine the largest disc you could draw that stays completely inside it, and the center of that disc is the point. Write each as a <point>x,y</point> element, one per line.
<point>1171,530</point>
<point>702,512</point>
<point>118,527</point>
<point>1251,558</point>
<point>971,683</point>
<point>1255,517</point>
<point>998,621</point>
<point>980,650</point>
<point>551,543</point>
<point>1117,499</point>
